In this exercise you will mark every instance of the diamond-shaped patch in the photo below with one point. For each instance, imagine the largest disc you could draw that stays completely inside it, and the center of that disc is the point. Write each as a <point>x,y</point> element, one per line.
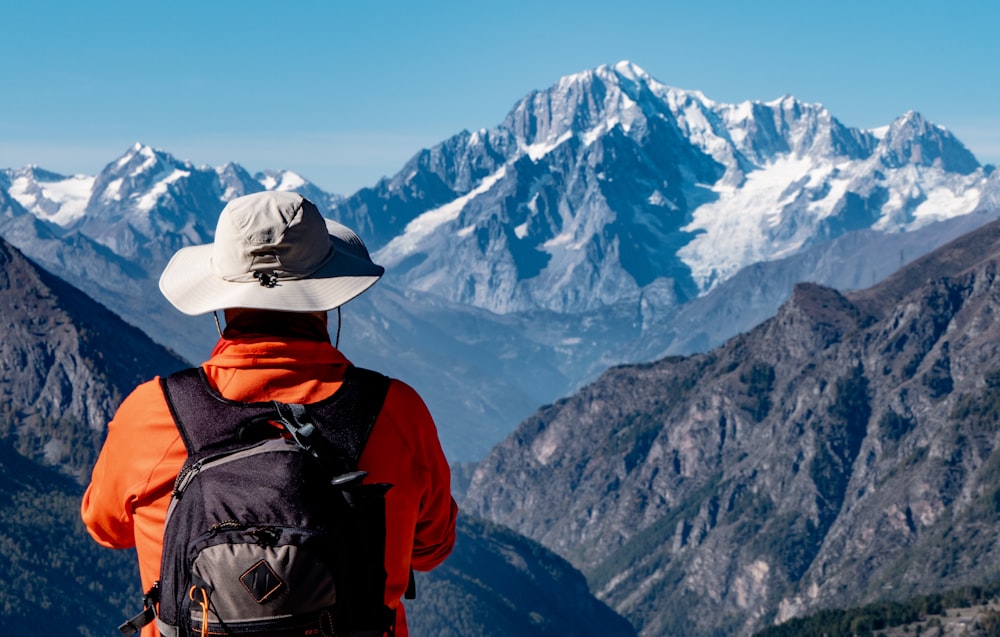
<point>261,581</point>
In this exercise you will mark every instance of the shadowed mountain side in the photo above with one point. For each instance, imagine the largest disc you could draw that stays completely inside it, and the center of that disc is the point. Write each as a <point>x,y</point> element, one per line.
<point>497,583</point>
<point>56,580</point>
<point>66,362</point>
<point>843,451</point>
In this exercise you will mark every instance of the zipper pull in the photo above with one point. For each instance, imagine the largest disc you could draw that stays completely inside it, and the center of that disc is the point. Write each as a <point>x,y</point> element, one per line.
<point>179,482</point>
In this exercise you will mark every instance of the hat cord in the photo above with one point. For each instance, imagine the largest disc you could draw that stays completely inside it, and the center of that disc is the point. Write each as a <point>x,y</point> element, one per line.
<point>337,341</point>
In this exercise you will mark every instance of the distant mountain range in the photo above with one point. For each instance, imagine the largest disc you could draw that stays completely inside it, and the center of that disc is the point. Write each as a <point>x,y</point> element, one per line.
<point>844,451</point>
<point>607,219</point>
<point>611,185</point>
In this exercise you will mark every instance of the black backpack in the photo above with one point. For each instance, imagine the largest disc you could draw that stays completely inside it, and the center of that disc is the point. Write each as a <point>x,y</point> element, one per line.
<point>271,534</point>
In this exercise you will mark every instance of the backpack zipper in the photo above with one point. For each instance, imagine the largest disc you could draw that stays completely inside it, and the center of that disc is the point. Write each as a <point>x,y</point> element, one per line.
<point>188,472</point>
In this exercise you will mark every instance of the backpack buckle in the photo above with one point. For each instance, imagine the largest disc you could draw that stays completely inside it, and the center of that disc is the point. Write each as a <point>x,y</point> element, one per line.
<point>147,615</point>
<point>295,420</point>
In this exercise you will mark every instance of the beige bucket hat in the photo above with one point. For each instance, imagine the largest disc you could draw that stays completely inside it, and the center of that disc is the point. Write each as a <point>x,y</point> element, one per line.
<point>274,251</point>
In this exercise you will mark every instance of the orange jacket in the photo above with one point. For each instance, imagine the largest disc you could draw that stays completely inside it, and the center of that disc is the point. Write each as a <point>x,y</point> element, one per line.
<point>126,502</point>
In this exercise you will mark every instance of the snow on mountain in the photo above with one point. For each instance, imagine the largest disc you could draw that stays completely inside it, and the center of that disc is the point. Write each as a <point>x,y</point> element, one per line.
<point>52,197</point>
<point>792,202</point>
<point>427,223</point>
<point>284,180</point>
<point>144,196</point>
<point>287,180</point>
<point>236,181</point>
<point>610,181</point>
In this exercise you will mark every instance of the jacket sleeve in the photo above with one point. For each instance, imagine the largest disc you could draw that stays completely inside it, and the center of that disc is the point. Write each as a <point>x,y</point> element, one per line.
<point>126,474</point>
<point>434,535</point>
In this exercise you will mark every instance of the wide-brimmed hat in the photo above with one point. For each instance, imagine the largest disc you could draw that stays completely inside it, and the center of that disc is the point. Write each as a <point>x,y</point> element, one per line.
<point>275,251</point>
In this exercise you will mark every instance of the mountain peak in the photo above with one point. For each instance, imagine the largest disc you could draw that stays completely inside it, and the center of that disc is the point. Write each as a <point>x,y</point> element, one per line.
<point>48,195</point>
<point>631,71</point>
<point>790,106</point>
<point>913,123</point>
<point>912,139</point>
<point>281,180</point>
<point>141,158</point>
<point>35,173</point>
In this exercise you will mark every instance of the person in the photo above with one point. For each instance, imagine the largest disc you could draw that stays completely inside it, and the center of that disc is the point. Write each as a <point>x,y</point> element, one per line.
<point>275,267</point>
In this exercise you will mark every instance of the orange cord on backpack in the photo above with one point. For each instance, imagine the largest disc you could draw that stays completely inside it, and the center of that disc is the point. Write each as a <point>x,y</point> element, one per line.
<point>203,602</point>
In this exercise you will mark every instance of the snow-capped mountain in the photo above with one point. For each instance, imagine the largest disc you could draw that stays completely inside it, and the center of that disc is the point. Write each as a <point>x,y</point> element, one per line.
<point>604,221</point>
<point>146,203</point>
<point>52,197</point>
<point>610,181</point>
<point>111,234</point>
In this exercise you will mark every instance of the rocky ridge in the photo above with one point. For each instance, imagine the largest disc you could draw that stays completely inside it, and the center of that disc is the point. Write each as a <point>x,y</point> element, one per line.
<point>66,362</point>
<point>840,452</point>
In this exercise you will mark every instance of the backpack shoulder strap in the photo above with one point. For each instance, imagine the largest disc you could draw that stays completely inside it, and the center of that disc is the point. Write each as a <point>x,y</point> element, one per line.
<point>192,400</point>
<point>345,419</point>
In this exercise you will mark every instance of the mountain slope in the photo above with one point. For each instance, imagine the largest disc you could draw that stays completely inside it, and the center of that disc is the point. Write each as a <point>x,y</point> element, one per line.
<point>499,583</point>
<point>56,579</point>
<point>841,452</point>
<point>65,364</point>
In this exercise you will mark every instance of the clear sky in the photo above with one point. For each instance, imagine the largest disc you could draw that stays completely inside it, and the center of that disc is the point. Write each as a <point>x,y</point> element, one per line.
<point>345,92</point>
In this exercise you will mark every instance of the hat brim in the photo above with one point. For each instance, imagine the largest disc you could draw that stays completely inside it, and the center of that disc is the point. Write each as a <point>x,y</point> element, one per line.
<point>191,285</point>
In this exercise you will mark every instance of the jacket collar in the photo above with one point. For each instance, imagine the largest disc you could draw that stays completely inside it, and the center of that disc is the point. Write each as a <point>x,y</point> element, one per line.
<point>275,339</point>
<point>269,323</point>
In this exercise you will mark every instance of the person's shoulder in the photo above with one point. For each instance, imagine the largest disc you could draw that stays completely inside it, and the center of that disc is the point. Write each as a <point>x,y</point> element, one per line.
<point>401,389</point>
<point>406,421</point>
<point>403,402</point>
<point>144,395</point>
<point>402,393</point>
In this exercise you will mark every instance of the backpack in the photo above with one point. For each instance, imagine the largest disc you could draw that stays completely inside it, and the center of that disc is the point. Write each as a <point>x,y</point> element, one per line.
<point>272,534</point>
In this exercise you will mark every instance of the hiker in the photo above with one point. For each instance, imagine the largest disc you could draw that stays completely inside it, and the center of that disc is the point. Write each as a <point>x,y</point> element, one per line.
<point>276,268</point>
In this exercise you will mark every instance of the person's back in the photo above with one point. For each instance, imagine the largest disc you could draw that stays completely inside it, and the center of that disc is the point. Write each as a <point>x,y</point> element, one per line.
<point>277,350</point>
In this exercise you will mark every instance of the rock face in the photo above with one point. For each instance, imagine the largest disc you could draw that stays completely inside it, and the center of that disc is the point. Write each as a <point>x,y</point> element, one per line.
<point>841,452</point>
<point>66,362</point>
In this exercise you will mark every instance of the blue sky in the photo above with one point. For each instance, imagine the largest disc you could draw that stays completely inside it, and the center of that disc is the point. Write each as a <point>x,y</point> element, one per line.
<point>345,92</point>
